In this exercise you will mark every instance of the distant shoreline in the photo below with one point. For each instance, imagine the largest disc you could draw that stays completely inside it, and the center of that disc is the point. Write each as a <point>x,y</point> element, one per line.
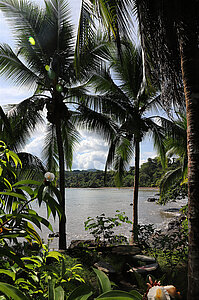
<point>121,188</point>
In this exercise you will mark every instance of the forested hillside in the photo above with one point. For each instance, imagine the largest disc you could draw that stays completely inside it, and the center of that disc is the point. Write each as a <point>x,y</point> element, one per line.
<point>150,175</point>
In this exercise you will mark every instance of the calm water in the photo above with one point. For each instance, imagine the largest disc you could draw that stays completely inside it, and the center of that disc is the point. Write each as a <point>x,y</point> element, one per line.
<point>83,203</point>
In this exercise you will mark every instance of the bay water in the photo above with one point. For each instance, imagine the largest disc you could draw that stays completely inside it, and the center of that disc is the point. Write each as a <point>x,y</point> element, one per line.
<point>91,202</point>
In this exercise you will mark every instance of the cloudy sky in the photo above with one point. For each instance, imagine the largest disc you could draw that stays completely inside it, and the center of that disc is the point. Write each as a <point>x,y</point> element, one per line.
<point>92,150</point>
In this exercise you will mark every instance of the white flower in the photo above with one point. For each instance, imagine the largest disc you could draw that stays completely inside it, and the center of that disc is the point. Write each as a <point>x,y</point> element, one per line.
<point>158,293</point>
<point>49,176</point>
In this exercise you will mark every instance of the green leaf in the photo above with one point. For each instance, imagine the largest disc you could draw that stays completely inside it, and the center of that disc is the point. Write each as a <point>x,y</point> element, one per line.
<point>7,183</point>
<point>83,292</point>
<point>6,251</point>
<point>13,194</point>
<point>54,254</point>
<point>104,281</point>
<point>59,293</point>
<point>15,158</point>
<point>37,220</point>
<point>31,231</point>
<point>137,295</point>
<point>119,295</point>
<point>12,292</point>
<point>51,289</point>
<point>9,273</point>
<point>27,189</point>
<point>56,192</point>
<point>40,193</point>
<point>21,182</point>
<point>34,260</point>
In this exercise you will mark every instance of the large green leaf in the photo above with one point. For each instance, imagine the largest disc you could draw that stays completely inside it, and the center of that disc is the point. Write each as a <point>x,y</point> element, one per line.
<point>104,281</point>
<point>13,194</point>
<point>136,294</point>
<point>51,289</point>
<point>36,220</point>
<point>22,182</point>
<point>59,293</point>
<point>83,292</point>
<point>12,292</point>
<point>120,295</point>
<point>54,254</point>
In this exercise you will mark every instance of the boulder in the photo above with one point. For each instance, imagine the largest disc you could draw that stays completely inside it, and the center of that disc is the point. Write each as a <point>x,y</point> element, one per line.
<point>126,250</point>
<point>105,267</point>
<point>152,199</point>
<point>81,244</point>
<point>144,258</point>
<point>145,269</point>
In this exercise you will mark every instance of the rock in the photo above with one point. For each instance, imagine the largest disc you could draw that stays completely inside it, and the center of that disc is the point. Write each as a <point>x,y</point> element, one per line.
<point>145,269</point>
<point>81,243</point>
<point>52,235</point>
<point>126,250</point>
<point>152,199</point>
<point>105,267</point>
<point>144,258</point>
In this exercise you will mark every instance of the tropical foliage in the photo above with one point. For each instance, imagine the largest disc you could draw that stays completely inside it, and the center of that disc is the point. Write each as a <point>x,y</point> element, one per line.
<point>44,274</point>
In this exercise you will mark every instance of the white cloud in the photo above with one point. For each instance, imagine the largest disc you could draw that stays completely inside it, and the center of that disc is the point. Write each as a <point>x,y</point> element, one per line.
<point>11,95</point>
<point>91,160</point>
<point>91,152</point>
<point>36,143</point>
<point>146,155</point>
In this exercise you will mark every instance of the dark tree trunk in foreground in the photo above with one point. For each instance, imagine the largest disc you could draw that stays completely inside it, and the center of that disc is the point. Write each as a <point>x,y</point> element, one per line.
<point>135,193</point>
<point>62,223</point>
<point>190,73</point>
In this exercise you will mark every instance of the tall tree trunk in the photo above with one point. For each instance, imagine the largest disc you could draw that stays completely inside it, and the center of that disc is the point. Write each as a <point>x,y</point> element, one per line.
<point>62,223</point>
<point>134,236</point>
<point>190,72</point>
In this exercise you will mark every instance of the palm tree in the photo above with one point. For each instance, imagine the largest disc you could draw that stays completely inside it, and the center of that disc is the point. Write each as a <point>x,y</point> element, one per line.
<point>44,62</point>
<point>169,37</point>
<point>129,105</point>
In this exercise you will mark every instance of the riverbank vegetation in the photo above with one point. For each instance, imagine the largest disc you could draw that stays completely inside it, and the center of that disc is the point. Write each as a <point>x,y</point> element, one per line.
<point>151,173</point>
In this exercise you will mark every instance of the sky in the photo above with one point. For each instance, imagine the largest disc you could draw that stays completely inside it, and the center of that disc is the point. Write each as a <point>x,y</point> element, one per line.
<point>92,150</point>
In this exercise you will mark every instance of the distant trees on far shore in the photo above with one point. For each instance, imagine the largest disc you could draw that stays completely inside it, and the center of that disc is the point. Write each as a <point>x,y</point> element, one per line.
<point>150,175</point>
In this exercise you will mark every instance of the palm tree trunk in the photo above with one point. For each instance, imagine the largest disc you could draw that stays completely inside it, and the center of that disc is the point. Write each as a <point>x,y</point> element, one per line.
<point>62,223</point>
<point>190,72</point>
<point>134,236</point>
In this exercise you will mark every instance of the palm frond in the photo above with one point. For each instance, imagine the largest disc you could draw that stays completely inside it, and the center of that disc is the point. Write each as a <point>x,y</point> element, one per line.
<point>24,118</point>
<point>71,138</point>
<point>169,179</point>
<point>85,34</point>
<point>97,122</point>
<point>33,167</point>
<point>124,152</point>
<point>23,15</point>
<point>5,126</point>
<point>13,68</point>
